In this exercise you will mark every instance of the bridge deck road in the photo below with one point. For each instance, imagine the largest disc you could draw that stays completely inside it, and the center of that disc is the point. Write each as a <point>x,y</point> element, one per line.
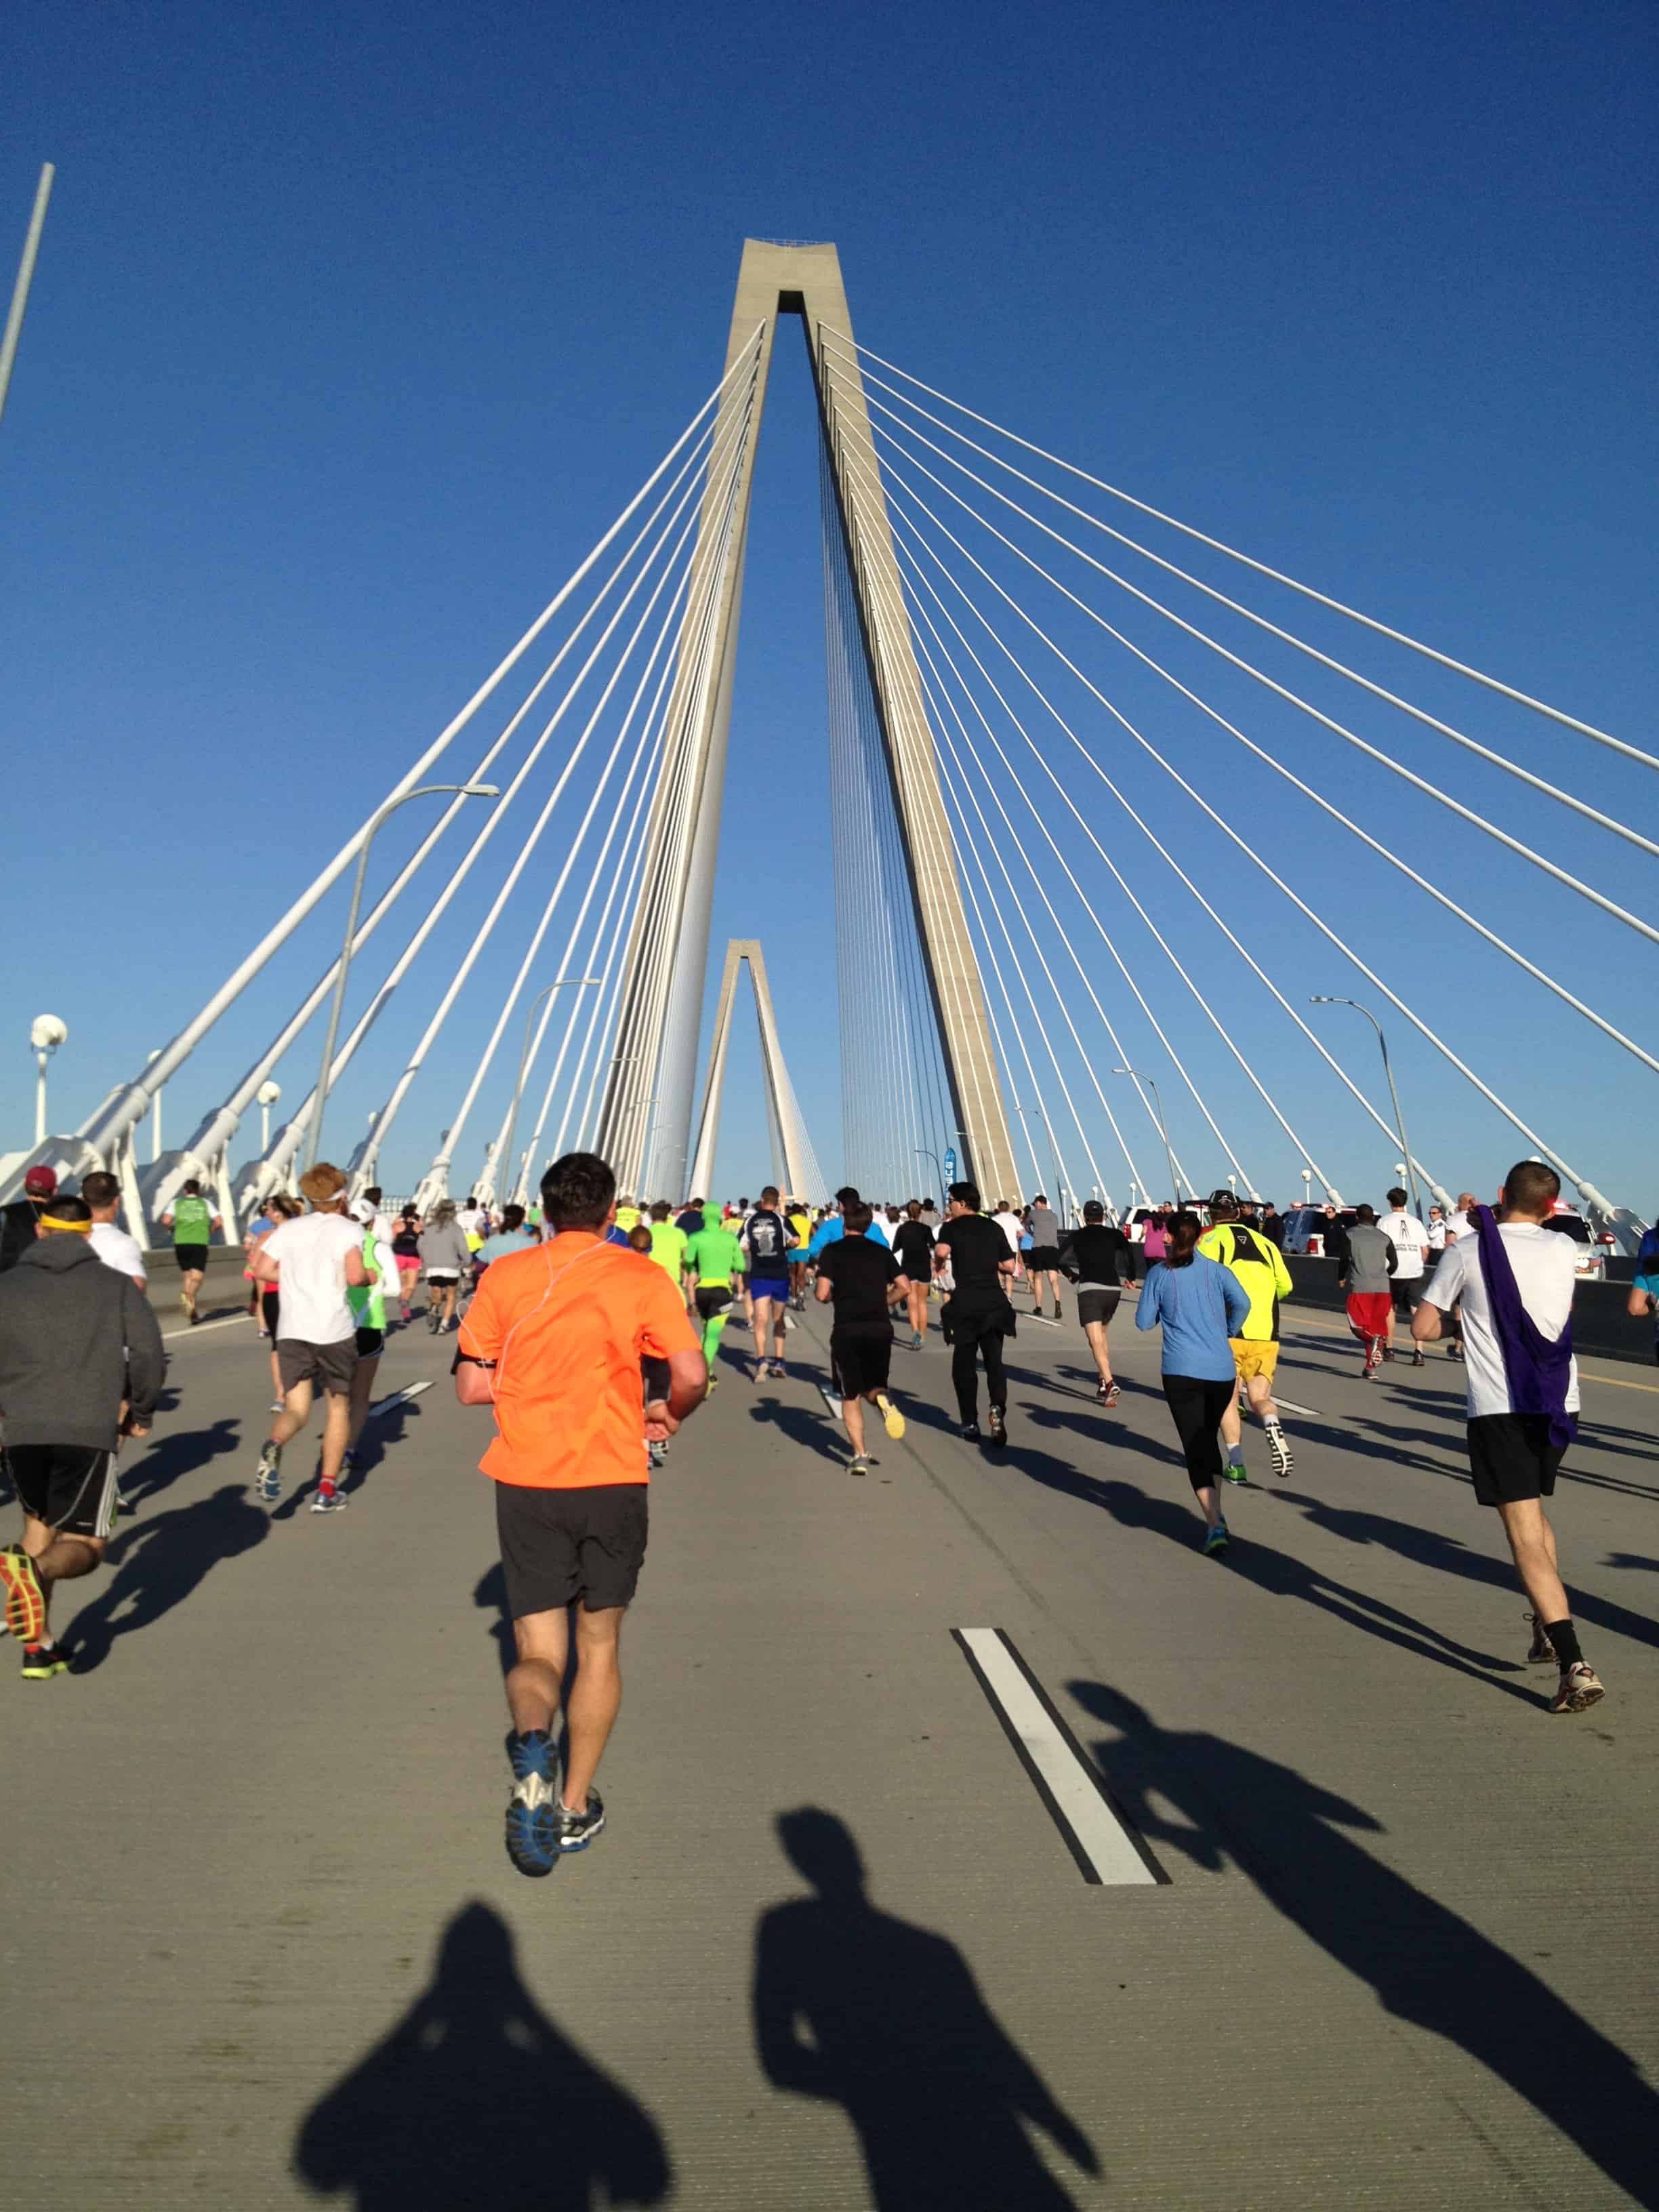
<point>264,1947</point>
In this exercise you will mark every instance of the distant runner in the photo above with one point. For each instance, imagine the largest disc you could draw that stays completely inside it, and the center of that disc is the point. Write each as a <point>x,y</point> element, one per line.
<point>913,1248</point>
<point>767,1238</point>
<point>192,1222</point>
<point>320,1259</point>
<point>977,1315</point>
<point>1265,1279</point>
<point>1410,1239</point>
<point>1366,1274</point>
<point>863,1281</point>
<point>1201,1306</point>
<point>1098,1261</point>
<point>1042,1260</point>
<point>715,1259</point>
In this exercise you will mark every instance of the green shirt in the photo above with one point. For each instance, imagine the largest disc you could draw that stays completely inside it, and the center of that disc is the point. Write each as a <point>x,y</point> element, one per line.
<point>668,1248</point>
<point>192,1221</point>
<point>367,1303</point>
<point>714,1255</point>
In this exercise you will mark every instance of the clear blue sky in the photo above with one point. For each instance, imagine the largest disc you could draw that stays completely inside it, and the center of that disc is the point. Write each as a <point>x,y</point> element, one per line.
<point>353,326</point>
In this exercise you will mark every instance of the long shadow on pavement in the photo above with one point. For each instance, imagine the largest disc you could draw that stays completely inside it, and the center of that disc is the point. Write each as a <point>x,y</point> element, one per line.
<point>475,2098</point>
<point>180,1452</point>
<point>1428,1548</point>
<point>1254,1561</point>
<point>817,1432</point>
<point>857,2007</point>
<point>1425,1964</point>
<point>161,1563</point>
<point>490,1597</point>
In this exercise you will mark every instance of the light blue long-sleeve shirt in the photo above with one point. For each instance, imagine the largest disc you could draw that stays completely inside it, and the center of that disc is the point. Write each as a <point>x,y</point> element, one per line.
<point>831,1230</point>
<point>1199,1306</point>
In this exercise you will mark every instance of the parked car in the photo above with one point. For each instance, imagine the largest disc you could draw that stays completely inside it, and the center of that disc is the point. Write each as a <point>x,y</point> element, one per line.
<point>1302,1223</point>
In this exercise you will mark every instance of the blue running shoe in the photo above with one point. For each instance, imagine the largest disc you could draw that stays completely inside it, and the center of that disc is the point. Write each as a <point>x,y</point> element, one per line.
<point>1215,1539</point>
<point>532,1810</point>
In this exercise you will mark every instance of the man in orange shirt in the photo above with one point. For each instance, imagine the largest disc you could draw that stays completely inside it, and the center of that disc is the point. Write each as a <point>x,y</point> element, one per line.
<point>554,1342</point>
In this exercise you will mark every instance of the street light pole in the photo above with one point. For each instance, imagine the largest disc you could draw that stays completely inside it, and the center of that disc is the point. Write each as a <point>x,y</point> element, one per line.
<point>1163,1127</point>
<point>46,1033</point>
<point>1324,999</point>
<point>19,296</point>
<point>314,1135</point>
<point>546,992</point>
<point>267,1094</point>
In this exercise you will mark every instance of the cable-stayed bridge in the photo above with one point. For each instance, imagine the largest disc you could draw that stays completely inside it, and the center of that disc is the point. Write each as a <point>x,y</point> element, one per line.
<point>1036,973</point>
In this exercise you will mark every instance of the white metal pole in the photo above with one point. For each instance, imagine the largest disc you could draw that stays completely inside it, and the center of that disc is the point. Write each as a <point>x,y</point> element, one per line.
<point>155,1120</point>
<point>20,294</point>
<point>424,791</point>
<point>40,1098</point>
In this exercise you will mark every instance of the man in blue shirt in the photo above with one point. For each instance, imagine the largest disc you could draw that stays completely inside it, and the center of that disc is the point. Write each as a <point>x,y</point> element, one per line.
<point>1643,1299</point>
<point>833,1228</point>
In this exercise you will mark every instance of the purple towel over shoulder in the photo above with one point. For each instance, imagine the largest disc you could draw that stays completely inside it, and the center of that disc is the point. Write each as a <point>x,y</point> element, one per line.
<point>1537,1367</point>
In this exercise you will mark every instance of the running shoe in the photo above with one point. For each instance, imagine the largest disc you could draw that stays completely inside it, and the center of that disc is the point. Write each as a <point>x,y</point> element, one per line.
<point>915,1339</point>
<point>891,1419</point>
<point>1542,1651</point>
<point>25,1602</point>
<point>999,1426</point>
<point>532,1820</point>
<point>971,1432</point>
<point>577,1830</point>
<point>1580,1687</point>
<point>329,1501</point>
<point>1388,1352</point>
<point>1110,1395</point>
<point>183,1303</point>
<point>1418,1359</point>
<point>433,1323</point>
<point>1235,1471</point>
<point>657,1455</point>
<point>276,1405</point>
<point>268,1478</point>
<point>858,1465</point>
<point>42,1660</point>
<point>1215,1539</point>
<point>777,1371</point>
<point>349,1458</point>
<point>1278,1450</point>
<point>1453,1352</point>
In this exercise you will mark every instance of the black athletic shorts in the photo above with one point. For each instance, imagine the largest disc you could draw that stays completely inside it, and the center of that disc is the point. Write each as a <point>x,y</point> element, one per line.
<point>1096,1305</point>
<point>371,1343</point>
<point>1042,1260</point>
<point>1511,1457</point>
<point>192,1258</point>
<point>329,1366</point>
<point>713,1298</point>
<point>71,1487</point>
<point>861,1360</point>
<point>560,1544</point>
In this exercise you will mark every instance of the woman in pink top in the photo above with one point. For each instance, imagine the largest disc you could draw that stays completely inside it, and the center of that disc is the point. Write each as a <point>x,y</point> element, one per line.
<point>1156,1243</point>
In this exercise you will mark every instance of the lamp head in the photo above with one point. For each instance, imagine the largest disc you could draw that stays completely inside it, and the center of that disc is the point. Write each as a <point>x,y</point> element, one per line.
<point>47,1032</point>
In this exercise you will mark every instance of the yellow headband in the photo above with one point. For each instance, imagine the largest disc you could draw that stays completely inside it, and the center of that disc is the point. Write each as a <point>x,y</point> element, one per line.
<point>74,1228</point>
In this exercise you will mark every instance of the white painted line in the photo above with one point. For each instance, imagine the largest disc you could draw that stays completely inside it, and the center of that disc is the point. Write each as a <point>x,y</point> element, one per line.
<point>202,1327</point>
<point>829,1399</point>
<point>398,1398</point>
<point>1308,1413</point>
<point>1102,1842</point>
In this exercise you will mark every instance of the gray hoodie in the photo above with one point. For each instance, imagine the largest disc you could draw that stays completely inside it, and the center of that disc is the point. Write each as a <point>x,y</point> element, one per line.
<point>1370,1260</point>
<point>75,1338</point>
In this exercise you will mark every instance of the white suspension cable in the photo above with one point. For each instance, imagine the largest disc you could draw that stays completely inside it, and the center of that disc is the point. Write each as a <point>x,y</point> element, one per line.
<point>124,1113</point>
<point>1587,1188</point>
<point>1395,768</point>
<point>1226,1036</point>
<point>1277,575</point>
<point>1339,667</point>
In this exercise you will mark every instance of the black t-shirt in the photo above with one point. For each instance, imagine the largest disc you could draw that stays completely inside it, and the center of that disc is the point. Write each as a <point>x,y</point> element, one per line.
<point>861,1272</point>
<point>690,1221</point>
<point>768,1238</point>
<point>977,1248</point>
<point>1097,1254</point>
<point>913,1241</point>
<point>17,1231</point>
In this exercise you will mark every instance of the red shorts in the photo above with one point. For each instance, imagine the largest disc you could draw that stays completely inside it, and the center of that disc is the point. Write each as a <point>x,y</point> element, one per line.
<point>1371,1312</point>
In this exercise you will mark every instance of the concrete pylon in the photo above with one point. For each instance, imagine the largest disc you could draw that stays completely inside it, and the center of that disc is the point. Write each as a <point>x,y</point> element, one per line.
<point>648,1090</point>
<point>792,1161</point>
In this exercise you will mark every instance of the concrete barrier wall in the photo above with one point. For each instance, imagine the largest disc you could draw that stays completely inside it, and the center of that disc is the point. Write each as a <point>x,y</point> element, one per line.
<point>1602,1329</point>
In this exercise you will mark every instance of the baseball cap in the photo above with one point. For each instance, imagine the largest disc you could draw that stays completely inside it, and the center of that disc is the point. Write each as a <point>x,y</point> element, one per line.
<point>40,1182</point>
<point>361,1210</point>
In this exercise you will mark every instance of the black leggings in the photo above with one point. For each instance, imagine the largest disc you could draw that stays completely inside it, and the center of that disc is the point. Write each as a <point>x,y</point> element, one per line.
<point>1198,1406</point>
<point>964,1373</point>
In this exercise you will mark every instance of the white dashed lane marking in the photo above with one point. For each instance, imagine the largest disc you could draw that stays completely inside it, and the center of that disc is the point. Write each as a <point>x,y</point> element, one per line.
<point>1097,1833</point>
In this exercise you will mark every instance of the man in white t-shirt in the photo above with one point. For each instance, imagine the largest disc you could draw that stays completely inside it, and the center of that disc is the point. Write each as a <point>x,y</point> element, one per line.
<point>1013,1228</point>
<point>317,1258</point>
<point>111,1242</point>
<point>1410,1239</point>
<point>1513,1458</point>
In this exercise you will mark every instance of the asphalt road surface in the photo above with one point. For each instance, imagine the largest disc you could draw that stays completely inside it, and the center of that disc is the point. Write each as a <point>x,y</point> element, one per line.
<point>973,1842</point>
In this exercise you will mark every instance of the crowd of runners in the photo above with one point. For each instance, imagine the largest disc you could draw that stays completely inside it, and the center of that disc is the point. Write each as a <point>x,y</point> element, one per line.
<point>590,1326</point>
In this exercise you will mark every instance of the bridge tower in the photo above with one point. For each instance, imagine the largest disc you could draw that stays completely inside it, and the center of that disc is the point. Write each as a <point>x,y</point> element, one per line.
<point>649,1086</point>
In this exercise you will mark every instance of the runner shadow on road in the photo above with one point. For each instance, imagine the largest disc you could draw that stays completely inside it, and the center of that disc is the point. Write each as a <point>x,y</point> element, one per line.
<point>1428,1548</point>
<point>476,2098</point>
<point>858,2007</point>
<point>178,1453</point>
<point>1425,1964</point>
<point>161,1563</point>
<point>802,1426</point>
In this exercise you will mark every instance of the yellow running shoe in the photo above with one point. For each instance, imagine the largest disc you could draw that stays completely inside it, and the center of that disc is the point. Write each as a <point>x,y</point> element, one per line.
<point>892,1419</point>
